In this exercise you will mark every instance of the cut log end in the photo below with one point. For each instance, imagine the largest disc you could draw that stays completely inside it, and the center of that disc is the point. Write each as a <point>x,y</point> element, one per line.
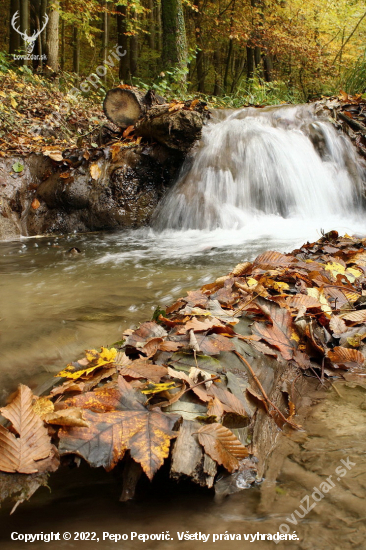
<point>124,106</point>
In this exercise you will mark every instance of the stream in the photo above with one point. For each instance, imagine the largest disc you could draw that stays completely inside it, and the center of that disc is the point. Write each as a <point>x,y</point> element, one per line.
<point>259,180</point>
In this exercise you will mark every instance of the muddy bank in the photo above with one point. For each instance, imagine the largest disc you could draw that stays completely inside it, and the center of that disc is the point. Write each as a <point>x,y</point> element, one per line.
<point>88,190</point>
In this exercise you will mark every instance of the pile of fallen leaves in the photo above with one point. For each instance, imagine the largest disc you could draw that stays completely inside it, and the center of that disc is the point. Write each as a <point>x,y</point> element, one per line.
<point>34,114</point>
<point>307,308</point>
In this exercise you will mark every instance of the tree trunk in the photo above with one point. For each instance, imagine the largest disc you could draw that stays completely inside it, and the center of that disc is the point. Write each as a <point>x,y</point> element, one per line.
<point>14,37</point>
<point>105,39</point>
<point>124,61</point>
<point>216,62</point>
<point>134,45</point>
<point>63,60</point>
<point>123,106</point>
<point>151,24</point>
<point>228,59</point>
<point>53,36</point>
<point>24,20</point>
<point>44,7</point>
<point>250,62</point>
<point>268,68</point>
<point>174,36</point>
<point>200,54</point>
<point>76,50</point>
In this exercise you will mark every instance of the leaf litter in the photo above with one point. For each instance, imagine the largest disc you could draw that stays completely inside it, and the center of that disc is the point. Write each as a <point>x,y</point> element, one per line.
<point>194,369</point>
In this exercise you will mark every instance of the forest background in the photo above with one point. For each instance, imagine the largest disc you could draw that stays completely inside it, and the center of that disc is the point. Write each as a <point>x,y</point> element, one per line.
<point>230,52</point>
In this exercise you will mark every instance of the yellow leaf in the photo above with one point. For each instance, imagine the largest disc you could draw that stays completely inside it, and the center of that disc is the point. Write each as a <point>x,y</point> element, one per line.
<point>252,282</point>
<point>95,171</point>
<point>295,336</point>
<point>280,286</point>
<point>157,388</point>
<point>43,406</point>
<point>14,104</point>
<point>2,94</point>
<point>94,361</point>
<point>315,293</point>
<point>103,357</point>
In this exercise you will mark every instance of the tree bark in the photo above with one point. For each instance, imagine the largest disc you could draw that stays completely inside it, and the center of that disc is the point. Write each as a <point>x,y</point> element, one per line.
<point>105,38</point>
<point>76,50</point>
<point>53,36</point>
<point>200,53</point>
<point>124,61</point>
<point>174,36</point>
<point>151,24</point>
<point>123,106</point>
<point>14,37</point>
<point>250,62</point>
<point>24,20</point>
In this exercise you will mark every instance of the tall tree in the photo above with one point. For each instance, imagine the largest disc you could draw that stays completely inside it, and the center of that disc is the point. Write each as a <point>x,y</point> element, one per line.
<point>52,43</point>
<point>14,36</point>
<point>124,61</point>
<point>174,36</point>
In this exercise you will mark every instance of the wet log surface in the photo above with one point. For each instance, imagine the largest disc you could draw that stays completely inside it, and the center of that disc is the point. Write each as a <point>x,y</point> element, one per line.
<point>212,385</point>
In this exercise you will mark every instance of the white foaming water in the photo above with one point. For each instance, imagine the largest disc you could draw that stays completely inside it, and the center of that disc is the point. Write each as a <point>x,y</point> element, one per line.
<point>279,172</point>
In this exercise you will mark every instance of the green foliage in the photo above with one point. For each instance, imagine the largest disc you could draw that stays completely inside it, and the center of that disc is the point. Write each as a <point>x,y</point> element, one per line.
<point>353,79</point>
<point>5,62</point>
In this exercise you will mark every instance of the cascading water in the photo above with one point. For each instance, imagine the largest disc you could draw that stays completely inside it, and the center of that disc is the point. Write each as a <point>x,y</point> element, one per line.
<point>259,167</point>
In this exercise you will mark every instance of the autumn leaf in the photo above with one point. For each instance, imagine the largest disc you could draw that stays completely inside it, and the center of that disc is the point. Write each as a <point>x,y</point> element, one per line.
<point>94,360</point>
<point>95,171</point>
<point>54,155</point>
<point>356,317</point>
<point>67,417</point>
<point>24,453</point>
<point>147,331</point>
<point>213,344</point>
<point>346,357</point>
<point>35,204</point>
<point>144,369</point>
<point>300,300</point>
<point>146,434</point>
<point>222,446</point>
<point>128,131</point>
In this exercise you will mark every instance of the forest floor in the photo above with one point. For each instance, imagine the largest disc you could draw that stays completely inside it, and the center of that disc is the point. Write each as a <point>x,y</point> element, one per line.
<point>35,116</point>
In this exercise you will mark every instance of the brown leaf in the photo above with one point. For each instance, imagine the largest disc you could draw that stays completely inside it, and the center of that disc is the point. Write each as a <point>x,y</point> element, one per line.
<point>222,446</point>
<point>144,369</point>
<point>275,337</point>
<point>146,434</point>
<point>67,417</point>
<point>214,344</point>
<point>270,259</point>
<point>215,408</point>
<point>357,317</point>
<point>167,345</point>
<point>337,325</point>
<point>21,454</point>
<point>144,333</point>
<point>198,390</point>
<point>128,131</point>
<point>228,400</point>
<point>175,307</point>
<point>35,204</point>
<point>196,298</point>
<point>151,347</point>
<point>346,357</point>
<point>302,300</point>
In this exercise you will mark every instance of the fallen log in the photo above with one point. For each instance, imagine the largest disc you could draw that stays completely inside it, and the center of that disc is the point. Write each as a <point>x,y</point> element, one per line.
<point>125,104</point>
<point>208,386</point>
<point>177,125</point>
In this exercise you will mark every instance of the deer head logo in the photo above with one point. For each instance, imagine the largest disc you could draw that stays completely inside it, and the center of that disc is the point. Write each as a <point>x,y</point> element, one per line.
<point>28,40</point>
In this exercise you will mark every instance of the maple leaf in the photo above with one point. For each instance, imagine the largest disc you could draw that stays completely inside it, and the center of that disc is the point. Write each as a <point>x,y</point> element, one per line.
<point>23,454</point>
<point>222,446</point>
<point>146,434</point>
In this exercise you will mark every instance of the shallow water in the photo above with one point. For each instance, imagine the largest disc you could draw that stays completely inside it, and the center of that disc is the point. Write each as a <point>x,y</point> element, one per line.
<point>54,305</point>
<point>84,501</point>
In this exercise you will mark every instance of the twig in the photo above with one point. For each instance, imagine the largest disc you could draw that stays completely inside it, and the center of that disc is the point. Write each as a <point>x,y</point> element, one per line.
<point>294,426</point>
<point>337,391</point>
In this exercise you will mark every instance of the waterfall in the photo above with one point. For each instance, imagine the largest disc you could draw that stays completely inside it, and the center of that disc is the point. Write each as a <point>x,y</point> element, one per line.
<point>268,164</point>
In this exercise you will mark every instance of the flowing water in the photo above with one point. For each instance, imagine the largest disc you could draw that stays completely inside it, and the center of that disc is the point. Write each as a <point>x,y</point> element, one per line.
<point>259,179</point>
